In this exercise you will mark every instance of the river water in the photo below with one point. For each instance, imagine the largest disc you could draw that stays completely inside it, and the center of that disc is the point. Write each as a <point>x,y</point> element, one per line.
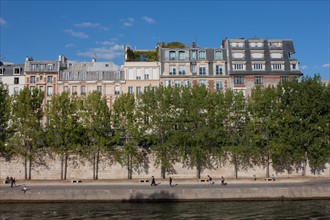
<point>311,209</point>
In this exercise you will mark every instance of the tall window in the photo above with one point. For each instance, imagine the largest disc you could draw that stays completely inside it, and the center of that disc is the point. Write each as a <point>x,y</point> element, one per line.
<point>17,71</point>
<point>49,79</point>
<point>130,90</point>
<point>168,83</point>
<point>294,66</point>
<point>83,90</point>
<point>202,55</point>
<point>202,82</point>
<point>218,70</point>
<point>16,80</point>
<point>202,70</point>
<point>182,55</point>
<point>182,70</point>
<point>186,83</point>
<point>50,66</point>
<point>258,80</point>
<point>138,90</point>
<point>238,80</point>
<point>16,90</point>
<point>32,79</point>
<point>177,83</point>
<point>74,90</point>
<point>172,70</point>
<point>146,74</point>
<point>138,74</point>
<point>99,89</point>
<point>218,55</point>
<point>193,55</point>
<point>219,85</point>
<point>49,91</point>
<point>42,67</point>
<point>193,68</point>
<point>117,90</point>
<point>172,55</point>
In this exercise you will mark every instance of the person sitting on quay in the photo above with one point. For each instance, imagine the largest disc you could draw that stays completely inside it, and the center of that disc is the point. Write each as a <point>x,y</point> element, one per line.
<point>223,181</point>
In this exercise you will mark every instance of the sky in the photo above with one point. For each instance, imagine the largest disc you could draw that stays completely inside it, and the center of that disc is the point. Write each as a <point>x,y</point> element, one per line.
<point>80,30</point>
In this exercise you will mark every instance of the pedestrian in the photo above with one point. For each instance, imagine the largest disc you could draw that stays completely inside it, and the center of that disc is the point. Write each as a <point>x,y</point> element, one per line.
<point>14,182</point>
<point>223,181</point>
<point>170,181</point>
<point>273,177</point>
<point>210,180</point>
<point>153,182</point>
<point>24,189</point>
<point>11,182</point>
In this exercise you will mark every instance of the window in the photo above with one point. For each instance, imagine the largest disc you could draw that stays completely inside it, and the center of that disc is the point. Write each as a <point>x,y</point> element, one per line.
<point>16,90</point>
<point>172,55</point>
<point>74,90</point>
<point>49,90</point>
<point>218,70</point>
<point>182,55</point>
<point>167,83</point>
<point>16,70</point>
<point>99,89</point>
<point>284,78</point>
<point>34,67</point>
<point>32,79</point>
<point>182,70</point>
<point>31,89</point>
<point>117,90</point>
<point>202,82</point>
<point>65,88</point>
<point>83,90</point>
<point>16,80</point>
<point>41,88</point>
<point>146,74</point>
<point>193,68</point>
<point>177,83</point>
<point>258,80</point>
<point>186,83</point>
<point>146,89</point>
<point>257,55</point>
<point>41,77</point>
<point>294,66</point>
<point>276,66</point>
<point>172,70</point>
<point>219,85</point>
<point>256,44</point>
<point>218,55</point>
<point>138,90</point>
<point>276,55</point>
<point>130,90</point>
<point>202,70</point>
<point>193,55</point>
<point>238,66</point>
<point>238,55</point>
<point>202,55</point>
<point>49,79</point>
<point>42,67</point>
<point>257,66</point>
<point>2,71</point>
<point>50,66</point>
<point>238,80</point>
<point>138,74</point>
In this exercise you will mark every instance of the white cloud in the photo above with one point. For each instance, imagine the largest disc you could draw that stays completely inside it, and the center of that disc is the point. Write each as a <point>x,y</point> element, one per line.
<point>2,21</point>
<point>106,43</point>
<point>87,24</point>
<point>76,34</point>
<point>128,22</point>
<point>70,45</point>
<point>148,20</point>
<point>326,65</point>
<point>304,67</point>
<point>108,53</point>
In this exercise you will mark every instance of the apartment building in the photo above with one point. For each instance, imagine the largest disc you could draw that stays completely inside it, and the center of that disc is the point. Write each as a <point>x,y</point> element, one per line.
<point>81,78</point>
<point>142,70</point>
<point>12,76</point>
<point>259,62</point>
<point>188,65</point>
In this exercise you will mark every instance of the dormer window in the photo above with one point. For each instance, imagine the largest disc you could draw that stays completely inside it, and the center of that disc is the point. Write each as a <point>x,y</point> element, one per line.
<point>218,55</point>
<point>202,55</point>
<point>17,71</point>
<point>172,55</point>
<point>2,70</point>
<point>50,66</point>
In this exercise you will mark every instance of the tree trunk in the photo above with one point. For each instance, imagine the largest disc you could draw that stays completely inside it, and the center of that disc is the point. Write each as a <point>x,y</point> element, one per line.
<point>163,170</point>
<point>62,167</point>
<point>30,168</point>
<point>129,166</point>
<point>235,167</point>
<point>93,166</point>
<point>198,171</point>
<point>304,164</point>
<point>65,164</point>
<point>25,166</point>
<point>97,165</point>
<point>267,167</point>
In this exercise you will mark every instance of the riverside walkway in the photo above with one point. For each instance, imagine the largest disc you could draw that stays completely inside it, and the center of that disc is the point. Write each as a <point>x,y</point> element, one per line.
<point>181,190</point>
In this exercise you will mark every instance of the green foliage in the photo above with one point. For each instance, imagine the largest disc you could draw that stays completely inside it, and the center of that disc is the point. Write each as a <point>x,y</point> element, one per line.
<point>148,55</point>
<point>5,109</point>
<point>174,45</point>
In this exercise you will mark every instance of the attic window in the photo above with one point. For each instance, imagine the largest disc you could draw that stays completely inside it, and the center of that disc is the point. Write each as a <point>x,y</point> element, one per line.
<point>16,70</point>
<point>106,65</point>
<point>2,71</point>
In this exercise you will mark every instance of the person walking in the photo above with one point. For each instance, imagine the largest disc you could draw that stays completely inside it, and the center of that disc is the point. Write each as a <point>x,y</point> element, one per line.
<point>153,182</point>
<point>210,180</point>
<point>170,181</point>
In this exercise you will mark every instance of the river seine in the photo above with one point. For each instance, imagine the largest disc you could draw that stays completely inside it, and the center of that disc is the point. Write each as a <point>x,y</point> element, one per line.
<point>311,209</point>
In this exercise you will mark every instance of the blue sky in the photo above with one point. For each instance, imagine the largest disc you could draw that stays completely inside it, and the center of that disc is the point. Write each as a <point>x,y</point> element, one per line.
<point>80,30</point>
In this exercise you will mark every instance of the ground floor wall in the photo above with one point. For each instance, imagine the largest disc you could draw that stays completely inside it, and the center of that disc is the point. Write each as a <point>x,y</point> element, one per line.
<point>49,168</point>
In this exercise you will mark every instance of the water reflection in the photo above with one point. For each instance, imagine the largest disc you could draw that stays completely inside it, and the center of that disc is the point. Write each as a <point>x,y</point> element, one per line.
<point>313,209</point>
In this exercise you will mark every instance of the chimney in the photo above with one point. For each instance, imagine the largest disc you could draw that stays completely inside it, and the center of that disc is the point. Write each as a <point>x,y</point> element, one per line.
<point>93,59</point>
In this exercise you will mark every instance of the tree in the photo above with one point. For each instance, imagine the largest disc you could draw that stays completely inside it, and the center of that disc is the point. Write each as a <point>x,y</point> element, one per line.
<point>26,119</point>
<point>62,127</point>
<point>5,109</point>
<point>95,118</point>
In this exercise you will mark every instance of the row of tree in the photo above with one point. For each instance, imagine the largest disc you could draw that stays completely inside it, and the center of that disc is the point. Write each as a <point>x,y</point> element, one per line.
<point>286,127</point>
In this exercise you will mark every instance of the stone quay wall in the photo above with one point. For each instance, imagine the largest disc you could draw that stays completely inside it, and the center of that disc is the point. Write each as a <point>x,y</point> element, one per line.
<point>50,169</point>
